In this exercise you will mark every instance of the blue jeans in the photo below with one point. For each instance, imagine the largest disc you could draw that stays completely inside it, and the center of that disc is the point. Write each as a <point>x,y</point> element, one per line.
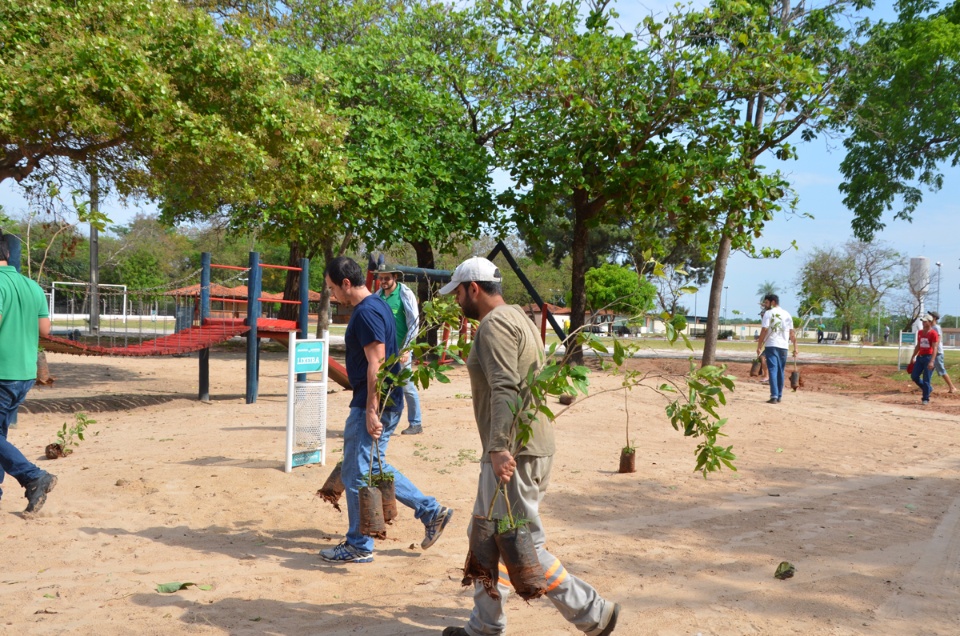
<point>776,365</point>
<point>357,445</point>
<point>12,461</point>
<point>412,398</point>
<point>921,375</point>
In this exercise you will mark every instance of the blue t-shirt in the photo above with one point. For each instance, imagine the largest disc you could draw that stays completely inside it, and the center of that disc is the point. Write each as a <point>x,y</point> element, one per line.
<point>371,321</point>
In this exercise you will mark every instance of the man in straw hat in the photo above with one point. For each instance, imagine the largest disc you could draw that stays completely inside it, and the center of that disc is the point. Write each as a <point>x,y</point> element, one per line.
<point>403,303</point>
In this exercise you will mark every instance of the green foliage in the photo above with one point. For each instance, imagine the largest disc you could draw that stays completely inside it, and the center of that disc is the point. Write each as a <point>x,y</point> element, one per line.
<point>164,99</point>
<point>852,279</point>
<point>414,170</point>
<point>906,89</point>
<point>376,479</point>
<point>510,522</point>
<point>66,434</point>
<point>698,418</point>
<point>618,289</point>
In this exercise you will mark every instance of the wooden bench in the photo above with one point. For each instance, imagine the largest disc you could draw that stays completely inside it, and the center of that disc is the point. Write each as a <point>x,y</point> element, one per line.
<point>831,337</point>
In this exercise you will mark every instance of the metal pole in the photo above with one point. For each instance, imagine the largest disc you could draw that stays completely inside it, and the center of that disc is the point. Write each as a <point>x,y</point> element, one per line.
<point>94,254</point>
<point>204,313</point>
<point>304,306</point>
<point>726,302</point>
<point>938,286</point>
<point>13,245</point>
<point>253,313</point>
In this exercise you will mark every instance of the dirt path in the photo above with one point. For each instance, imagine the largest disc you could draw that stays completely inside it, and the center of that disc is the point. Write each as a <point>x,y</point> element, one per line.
<point>848,479</point>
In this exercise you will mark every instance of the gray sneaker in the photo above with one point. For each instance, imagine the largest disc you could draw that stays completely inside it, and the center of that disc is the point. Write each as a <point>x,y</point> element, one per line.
<point>434,529</point>
<point>345,553</point>
<point>412,430</point>
<point>37,491</point>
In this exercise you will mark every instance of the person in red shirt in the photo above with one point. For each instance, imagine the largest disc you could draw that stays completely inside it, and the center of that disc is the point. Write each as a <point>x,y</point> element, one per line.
<point>923,356</point>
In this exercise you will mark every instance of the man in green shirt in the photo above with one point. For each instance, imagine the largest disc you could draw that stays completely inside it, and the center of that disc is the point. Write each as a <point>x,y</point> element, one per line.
<point>403,304</point>
<point>505,346</point>
<point>23,318</point>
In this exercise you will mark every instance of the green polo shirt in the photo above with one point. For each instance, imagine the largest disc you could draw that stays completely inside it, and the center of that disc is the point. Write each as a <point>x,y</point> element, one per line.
<point>22,303</point>
<point>399,315</point>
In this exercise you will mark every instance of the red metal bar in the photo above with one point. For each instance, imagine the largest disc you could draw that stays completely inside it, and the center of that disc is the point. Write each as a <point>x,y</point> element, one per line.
<point>282,302</point>
<point>292,269</point>
<point>236,267</point>
<point>235,299</point>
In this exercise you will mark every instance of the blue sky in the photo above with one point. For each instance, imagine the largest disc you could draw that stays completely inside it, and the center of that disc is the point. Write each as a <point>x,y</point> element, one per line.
<point>815,177</point>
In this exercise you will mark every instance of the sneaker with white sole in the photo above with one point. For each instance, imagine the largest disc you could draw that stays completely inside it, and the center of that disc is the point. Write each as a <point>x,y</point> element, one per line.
<point>434,529</point>
<point>345,553</point>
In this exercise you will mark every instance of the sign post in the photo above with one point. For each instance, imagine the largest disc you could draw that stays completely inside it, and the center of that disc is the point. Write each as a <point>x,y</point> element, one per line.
<point>306,441</point>
<point>906,338</point>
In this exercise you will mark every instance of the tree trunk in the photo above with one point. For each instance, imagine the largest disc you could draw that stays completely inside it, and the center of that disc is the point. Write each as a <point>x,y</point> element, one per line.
<point>713,307</point>
<point>578,299</point>
<point>291,288</point>
<point>323,311</point>
<point>425,259</point>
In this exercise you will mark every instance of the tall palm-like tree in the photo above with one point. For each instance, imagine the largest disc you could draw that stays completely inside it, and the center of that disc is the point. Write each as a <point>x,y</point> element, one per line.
<point>766,288</point>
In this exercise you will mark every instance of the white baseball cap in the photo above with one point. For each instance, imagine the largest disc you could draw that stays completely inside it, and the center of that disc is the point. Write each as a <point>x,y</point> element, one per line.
<point>476,269</point>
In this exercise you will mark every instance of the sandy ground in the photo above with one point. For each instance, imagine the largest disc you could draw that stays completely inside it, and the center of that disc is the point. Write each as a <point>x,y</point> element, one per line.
<point>848,479</point>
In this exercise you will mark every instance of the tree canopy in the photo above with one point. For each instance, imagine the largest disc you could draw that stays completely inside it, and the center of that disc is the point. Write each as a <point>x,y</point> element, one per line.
<point>852,280</point>
<point>161,99</point>
<point>906,129</point>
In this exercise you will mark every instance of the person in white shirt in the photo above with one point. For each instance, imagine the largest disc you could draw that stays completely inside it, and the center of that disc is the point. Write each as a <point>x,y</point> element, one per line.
<point>938,363</point>
<point>776,335</point>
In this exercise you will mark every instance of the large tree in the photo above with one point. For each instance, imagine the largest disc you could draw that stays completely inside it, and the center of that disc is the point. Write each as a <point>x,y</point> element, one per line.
<point>158,99</point>
<point>797,91</point>
<point>642,127</point>
<point>906,128</point>
<point>852,280</point>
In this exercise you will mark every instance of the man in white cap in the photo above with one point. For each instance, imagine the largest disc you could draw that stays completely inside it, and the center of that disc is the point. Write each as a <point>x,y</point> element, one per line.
<point>923,357</point>
<point>506,345</point>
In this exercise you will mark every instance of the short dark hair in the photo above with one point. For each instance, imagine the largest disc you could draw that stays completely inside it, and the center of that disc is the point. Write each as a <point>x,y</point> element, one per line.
<point>773,298</point>
<point>343,268</point>
<point>489,287</point>
<point>4,248</point>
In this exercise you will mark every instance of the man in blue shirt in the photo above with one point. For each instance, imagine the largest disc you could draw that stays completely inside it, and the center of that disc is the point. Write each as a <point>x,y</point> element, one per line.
<point>370,340</point>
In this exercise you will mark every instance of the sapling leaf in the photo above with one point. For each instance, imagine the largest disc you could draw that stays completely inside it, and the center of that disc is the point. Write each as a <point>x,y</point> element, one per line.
<point>170,588</point>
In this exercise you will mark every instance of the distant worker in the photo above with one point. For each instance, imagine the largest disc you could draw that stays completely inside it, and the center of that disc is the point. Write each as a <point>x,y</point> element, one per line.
<point>403,303</point>
<point>924,355</point>
<point>938,362</point>
<point>820,328</point>
<point>776,334</point>
<point>886,334</point>
<point>24,317</point>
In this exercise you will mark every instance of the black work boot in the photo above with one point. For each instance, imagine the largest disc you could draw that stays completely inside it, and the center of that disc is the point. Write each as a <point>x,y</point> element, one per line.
<point>37,491</point>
